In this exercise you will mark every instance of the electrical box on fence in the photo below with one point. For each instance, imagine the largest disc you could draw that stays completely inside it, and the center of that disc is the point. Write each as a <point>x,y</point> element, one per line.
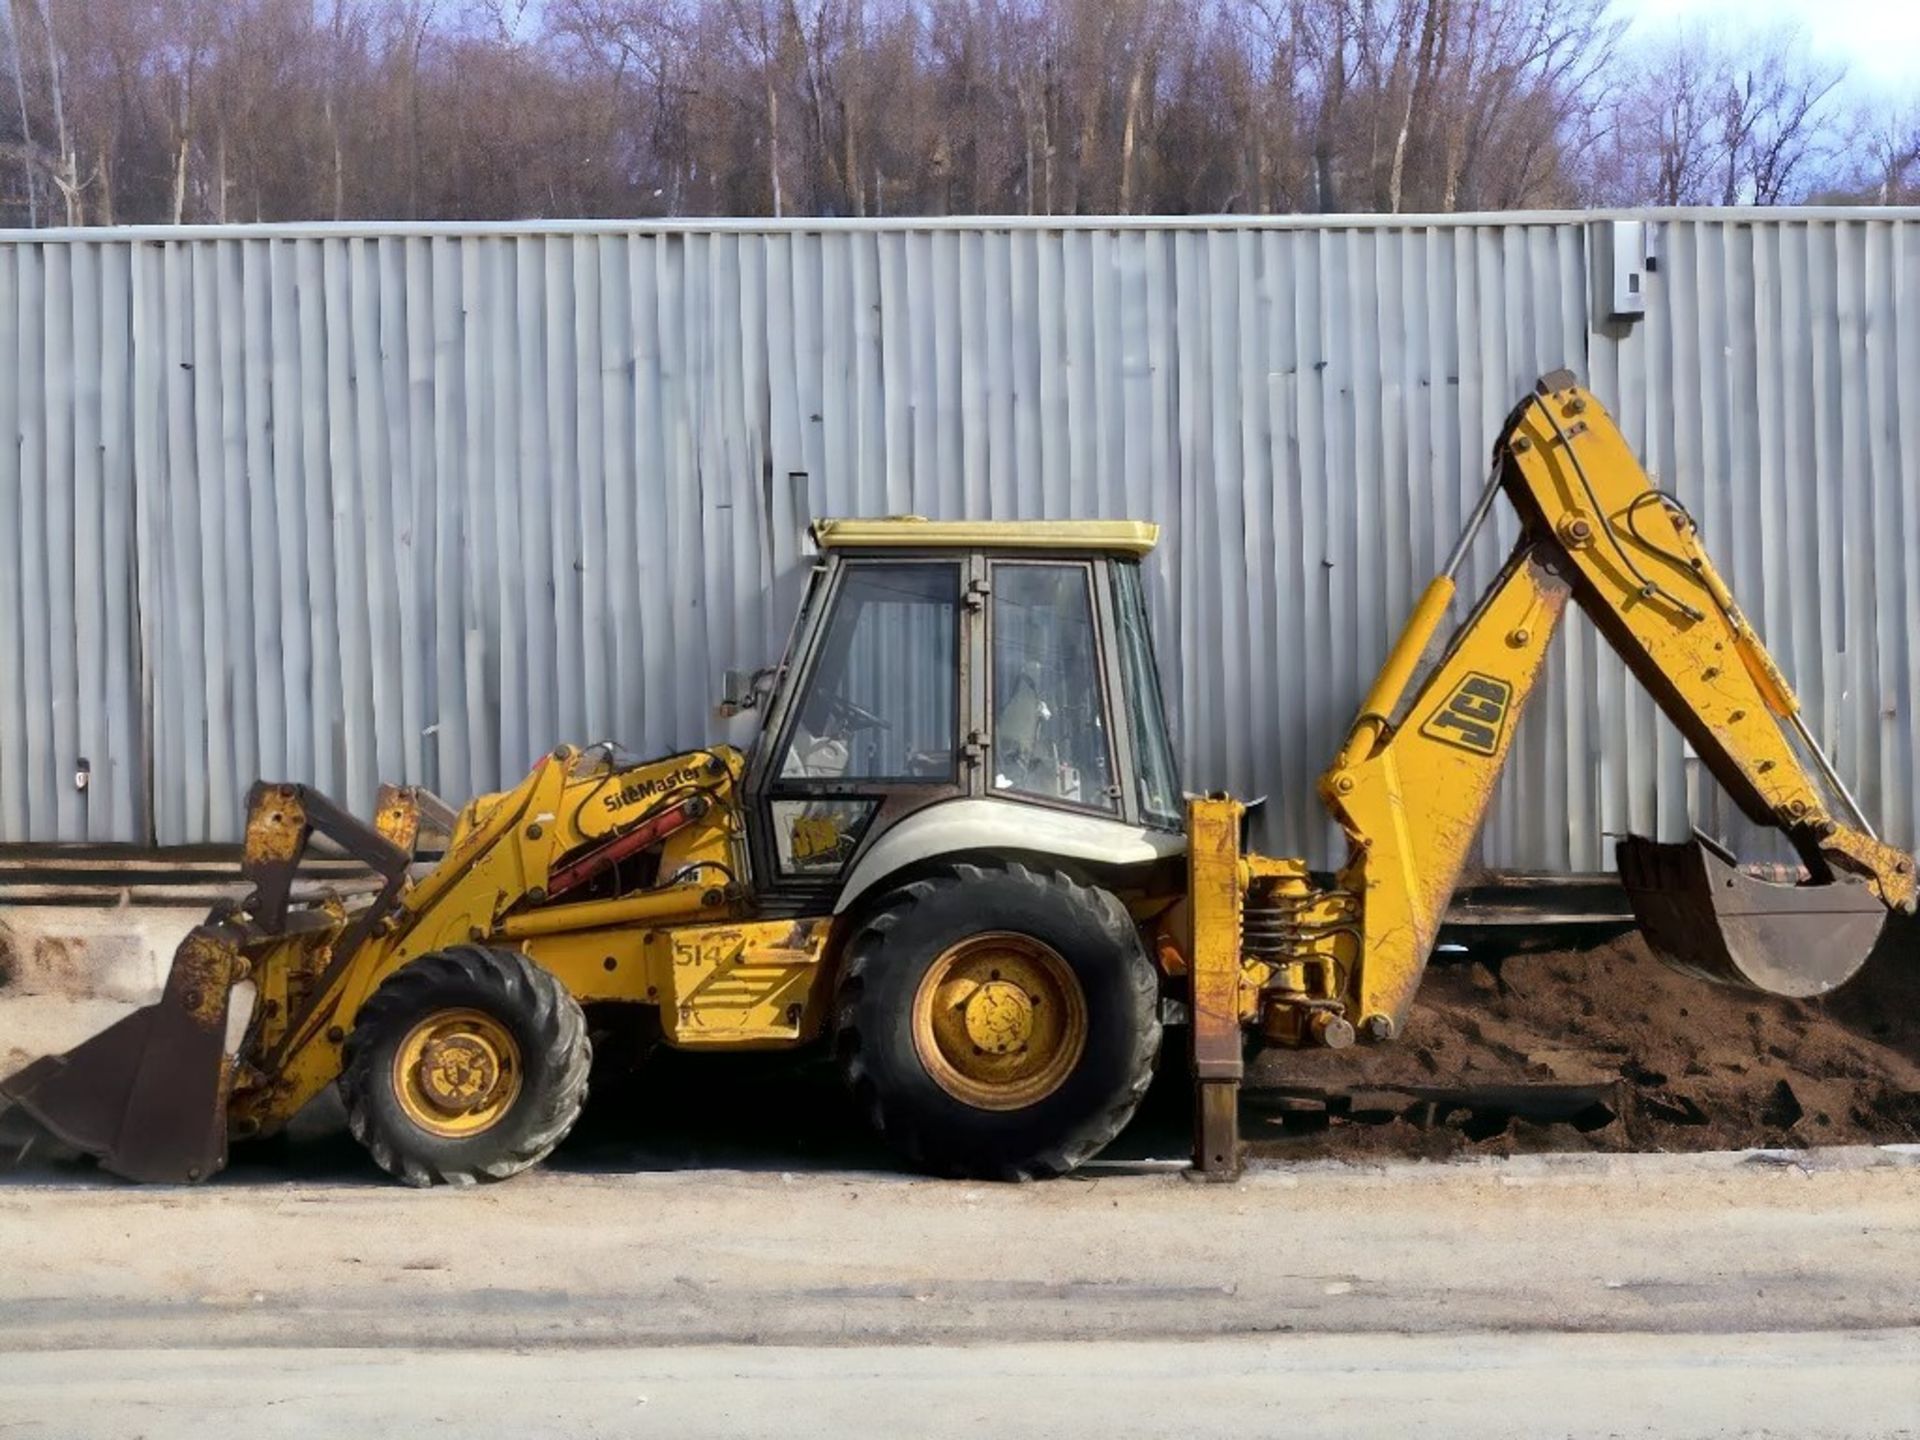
<point>1628,256</point>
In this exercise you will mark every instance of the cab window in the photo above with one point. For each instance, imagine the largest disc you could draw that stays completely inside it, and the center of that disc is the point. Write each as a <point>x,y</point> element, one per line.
<point>880,703</point>
<point>1050,737</point>
<point>1155,774</point>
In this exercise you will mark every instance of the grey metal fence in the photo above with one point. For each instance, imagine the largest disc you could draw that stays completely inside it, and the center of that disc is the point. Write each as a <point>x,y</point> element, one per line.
<point>416,502</point>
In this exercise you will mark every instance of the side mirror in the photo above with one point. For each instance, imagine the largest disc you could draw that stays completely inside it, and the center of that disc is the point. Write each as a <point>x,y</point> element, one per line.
<point>738,693</point>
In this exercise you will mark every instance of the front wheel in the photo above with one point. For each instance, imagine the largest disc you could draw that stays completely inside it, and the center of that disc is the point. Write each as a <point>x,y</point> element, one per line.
<point>998,1022</point>
<point>468,1064</point>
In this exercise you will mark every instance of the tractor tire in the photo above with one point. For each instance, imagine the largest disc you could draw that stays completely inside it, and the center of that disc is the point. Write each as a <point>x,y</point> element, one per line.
<point>997,1022</point>
<point>466,1065</point>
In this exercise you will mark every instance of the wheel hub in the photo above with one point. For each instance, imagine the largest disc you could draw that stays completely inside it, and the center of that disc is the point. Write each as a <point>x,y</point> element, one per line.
<point>999,1021</point>
<point>999,1017</point>
<point>457,1072</point>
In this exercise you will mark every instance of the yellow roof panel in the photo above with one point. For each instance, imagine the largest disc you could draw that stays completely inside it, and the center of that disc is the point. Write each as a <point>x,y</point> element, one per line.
<point>903,532</point>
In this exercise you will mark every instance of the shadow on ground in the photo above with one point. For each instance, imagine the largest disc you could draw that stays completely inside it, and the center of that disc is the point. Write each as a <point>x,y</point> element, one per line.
<point>1507,1050</point>
<point>675,1112</point>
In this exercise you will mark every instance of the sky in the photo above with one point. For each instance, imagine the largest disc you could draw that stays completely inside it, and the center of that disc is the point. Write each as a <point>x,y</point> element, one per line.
<point>1879,40</point>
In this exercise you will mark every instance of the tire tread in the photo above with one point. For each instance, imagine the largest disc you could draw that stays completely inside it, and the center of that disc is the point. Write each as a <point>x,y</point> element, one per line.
<point>898,1127</point>
<point>522,988</point>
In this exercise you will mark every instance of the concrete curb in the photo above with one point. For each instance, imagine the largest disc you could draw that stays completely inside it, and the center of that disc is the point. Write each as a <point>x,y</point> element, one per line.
<point>120,952</point>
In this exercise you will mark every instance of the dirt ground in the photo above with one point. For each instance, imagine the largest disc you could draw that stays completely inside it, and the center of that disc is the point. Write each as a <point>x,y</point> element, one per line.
<point>1602,1049</point>
<point>1617,1052</point>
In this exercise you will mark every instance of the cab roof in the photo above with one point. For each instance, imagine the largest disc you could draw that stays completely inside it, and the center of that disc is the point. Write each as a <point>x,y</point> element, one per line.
<point>916,532</point>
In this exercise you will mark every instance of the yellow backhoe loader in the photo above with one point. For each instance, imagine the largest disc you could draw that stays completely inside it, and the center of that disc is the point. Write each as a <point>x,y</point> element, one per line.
<point>959,855</point>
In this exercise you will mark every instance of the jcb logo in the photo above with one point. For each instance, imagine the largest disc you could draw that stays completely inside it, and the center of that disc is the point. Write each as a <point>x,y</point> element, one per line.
<point>1473,716</point>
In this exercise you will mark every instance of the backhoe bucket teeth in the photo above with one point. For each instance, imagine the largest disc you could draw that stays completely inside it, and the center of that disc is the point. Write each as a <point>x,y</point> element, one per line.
<point>1703,915</point>
<point>147,1096</point>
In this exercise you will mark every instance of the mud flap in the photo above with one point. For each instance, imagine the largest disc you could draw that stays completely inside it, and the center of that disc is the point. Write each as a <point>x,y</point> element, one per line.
<point>148,1095</point>
<point>1703,915</point>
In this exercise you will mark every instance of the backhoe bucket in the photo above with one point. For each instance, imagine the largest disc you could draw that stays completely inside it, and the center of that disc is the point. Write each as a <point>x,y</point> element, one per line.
<point>148,1095</point>
<point>1703,915</point>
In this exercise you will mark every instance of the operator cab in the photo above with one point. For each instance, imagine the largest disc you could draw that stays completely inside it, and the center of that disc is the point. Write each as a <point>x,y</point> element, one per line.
<point>942,661</point>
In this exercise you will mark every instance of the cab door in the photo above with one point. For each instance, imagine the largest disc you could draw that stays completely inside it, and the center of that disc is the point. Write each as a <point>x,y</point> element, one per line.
<point>873,723</point>
<point>1053,743</point>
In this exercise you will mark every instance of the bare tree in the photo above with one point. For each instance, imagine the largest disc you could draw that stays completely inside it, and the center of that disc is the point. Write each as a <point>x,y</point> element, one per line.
<point>66,170</point>
<point>29,176</point>
<point>1705,121</point>
<point>1772,118</point>
<point>1890,141</point>
<point>155,110</point>
<point>759,34</point>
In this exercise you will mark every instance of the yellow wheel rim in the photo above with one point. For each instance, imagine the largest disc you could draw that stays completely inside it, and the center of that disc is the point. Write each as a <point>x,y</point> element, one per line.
<point>999,1021</point>
<point>457,1072</point>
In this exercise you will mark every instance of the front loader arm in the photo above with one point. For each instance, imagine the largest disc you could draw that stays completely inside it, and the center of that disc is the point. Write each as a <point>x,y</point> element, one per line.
<point>263,995</point>
<point>149,1095</point>
<point>567,822</point>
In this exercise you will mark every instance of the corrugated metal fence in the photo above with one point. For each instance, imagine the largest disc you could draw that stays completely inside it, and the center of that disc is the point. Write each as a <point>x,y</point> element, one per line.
<point>414,503</point>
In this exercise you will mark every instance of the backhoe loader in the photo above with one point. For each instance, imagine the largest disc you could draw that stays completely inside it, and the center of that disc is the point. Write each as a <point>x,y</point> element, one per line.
<point>958,855</point>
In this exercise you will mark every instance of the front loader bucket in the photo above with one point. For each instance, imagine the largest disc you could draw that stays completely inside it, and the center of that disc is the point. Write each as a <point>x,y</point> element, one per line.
<point>1702,914</point>
<point>148,1095</point>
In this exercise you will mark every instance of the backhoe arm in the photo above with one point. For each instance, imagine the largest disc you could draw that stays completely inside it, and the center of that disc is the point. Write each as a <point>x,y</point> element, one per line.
<point>1639,571</point>
<point>1317,963</point>
<point>1411,782</point>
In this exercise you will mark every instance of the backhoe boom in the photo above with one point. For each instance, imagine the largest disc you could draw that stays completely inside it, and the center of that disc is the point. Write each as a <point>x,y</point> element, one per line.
<point>1411,782</point>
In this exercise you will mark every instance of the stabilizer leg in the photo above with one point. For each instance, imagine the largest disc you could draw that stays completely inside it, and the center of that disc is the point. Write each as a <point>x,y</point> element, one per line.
<point>1214,891</point>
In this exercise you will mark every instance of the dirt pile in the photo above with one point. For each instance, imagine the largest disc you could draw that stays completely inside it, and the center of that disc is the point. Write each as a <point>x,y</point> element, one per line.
<point>1608,1049</point>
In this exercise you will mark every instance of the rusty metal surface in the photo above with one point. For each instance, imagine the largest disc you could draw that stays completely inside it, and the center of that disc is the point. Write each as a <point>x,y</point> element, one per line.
<point>276,826</point>
<point>396,815</point>
<point>1214,896</point>
<point>148,1095</point>
<point>1703,915</point>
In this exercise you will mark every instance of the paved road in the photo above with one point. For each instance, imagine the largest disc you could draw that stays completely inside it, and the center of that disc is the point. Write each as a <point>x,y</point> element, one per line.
<point>1554,1295</point>
<point>1489,1387</point>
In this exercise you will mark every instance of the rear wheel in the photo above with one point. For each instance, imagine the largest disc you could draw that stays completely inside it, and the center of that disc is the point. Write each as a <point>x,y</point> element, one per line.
<point>998,1022</point>
<point>468,1064</point>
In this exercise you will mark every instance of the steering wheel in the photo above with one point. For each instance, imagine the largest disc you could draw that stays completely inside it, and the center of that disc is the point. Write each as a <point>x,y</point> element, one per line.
<point>855,717</point>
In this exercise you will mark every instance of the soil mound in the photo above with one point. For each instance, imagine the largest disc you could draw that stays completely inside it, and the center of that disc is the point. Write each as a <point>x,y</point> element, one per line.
<point>1608,1049</point>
